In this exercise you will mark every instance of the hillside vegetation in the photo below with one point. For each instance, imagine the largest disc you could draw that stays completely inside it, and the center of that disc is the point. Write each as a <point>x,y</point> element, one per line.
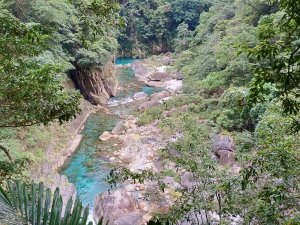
<point>241,73</point>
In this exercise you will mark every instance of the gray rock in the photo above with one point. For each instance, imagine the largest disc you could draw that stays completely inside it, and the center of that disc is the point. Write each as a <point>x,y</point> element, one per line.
<point>225,157</point>
<point>188,181</point>
<point>159,95</point>
<point>156,84</point>
<point>177,76</point>
<point>166,60</point>
<point>127,156</point>
<point>140,96</point>
<point>148,105</point>
<point>105,136</point>
<point>97,85</point>
<point>130,219</point>
<point>169,113</point>
<point>119,128</point>
<point>222,142</point>
<point>172,183</point>
<point>139,69</point>
<point>119,208</point>
<point>160,77</point>
<point>223,147</point>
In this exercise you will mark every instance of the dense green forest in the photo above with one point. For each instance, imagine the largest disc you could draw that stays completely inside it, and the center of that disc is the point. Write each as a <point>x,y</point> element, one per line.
<point>152,26</point>
<point>240,63</point>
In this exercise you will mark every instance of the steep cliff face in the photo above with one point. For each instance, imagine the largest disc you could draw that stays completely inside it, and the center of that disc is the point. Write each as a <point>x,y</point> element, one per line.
<point>96,85</point>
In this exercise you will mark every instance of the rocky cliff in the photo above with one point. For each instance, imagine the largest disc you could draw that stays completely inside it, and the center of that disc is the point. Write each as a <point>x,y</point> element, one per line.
<point>96,85</point>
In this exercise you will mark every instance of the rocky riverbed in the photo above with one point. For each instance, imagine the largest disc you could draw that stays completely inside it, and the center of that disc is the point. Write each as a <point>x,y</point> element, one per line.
<point>140,151</point>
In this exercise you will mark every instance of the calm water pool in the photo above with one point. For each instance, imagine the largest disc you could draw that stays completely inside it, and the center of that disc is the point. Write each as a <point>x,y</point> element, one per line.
<point>124,61</point>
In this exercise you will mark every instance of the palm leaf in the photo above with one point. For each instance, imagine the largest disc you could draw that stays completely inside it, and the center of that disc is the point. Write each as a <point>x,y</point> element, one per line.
<point>17,207</point>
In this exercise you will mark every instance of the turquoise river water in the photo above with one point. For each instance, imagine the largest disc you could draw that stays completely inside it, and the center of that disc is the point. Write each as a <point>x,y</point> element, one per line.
<point>89,166</point>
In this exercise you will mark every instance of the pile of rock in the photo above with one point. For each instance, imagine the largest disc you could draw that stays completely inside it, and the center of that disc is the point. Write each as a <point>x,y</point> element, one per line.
<point>158,77</point>
<point>120,129</point>
<point>128,205</point>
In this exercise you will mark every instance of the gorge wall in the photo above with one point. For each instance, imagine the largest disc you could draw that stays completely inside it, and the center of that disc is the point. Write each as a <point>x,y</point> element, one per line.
<point>96,85</point>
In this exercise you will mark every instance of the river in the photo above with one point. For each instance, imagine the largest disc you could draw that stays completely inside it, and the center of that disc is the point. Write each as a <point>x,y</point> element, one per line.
<point>89,165</point>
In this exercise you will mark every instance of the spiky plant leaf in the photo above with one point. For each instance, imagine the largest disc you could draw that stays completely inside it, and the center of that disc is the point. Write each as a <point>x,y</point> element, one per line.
<point>17,207</point>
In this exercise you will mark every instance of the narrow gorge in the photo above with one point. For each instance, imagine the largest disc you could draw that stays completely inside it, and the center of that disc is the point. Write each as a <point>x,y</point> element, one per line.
<point>149,112</point>
<point>94,158</point>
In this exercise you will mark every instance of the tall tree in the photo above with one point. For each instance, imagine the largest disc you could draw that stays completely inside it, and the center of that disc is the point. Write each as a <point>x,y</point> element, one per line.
<point>278,57</point>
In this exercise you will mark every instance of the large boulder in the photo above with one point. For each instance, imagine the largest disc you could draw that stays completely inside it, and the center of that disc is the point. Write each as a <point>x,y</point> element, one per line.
<point>225,157</point>
<point>174,85</point>
<point>188,181</point>
<point>130,219</point>
<point>140,70</point>
<point>140,96</point>
<point>119,208</point>
<point>149,104</point>
<point>127,156</point>
<point>105,136</point>
<point>166,60</point>
<point>130,124</point>
<point>156,84</point>
<point>223,147</point>
<point>222,142</point>
<point>160,76</point>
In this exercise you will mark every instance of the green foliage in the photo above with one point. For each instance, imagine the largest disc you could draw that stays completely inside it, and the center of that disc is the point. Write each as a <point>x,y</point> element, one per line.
<point>87,27</point>
<point>183,38</point>
<point>152,25</point>
<point>274,171</point>
<point>30,93</point>
<point>33,204</point>
<point>245,141</point>
<point>41,42</point>
<point>277,57</point>
<point>237,113</point>
<point>150,115</point>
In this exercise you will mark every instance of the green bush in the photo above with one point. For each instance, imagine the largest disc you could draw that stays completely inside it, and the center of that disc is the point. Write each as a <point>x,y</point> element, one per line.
<point>150,115</point>
<point>244,141</point>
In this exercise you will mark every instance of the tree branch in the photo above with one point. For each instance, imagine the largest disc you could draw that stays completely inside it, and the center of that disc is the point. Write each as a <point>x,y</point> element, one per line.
<point>6,151</point>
